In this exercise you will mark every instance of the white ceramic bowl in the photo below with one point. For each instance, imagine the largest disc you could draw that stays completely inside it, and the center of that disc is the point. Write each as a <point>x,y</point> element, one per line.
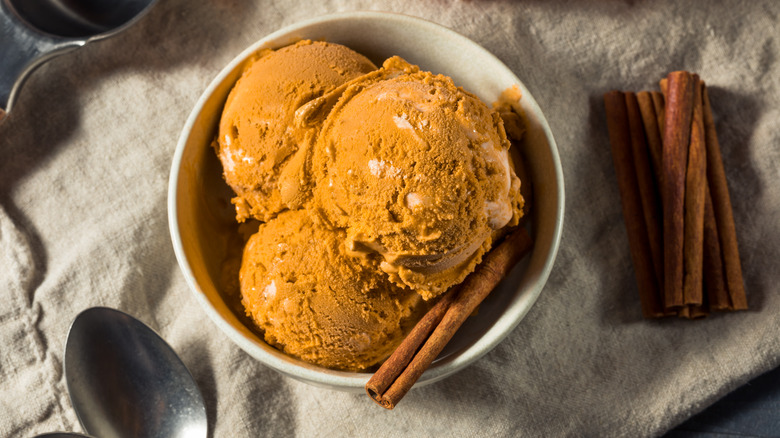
<point>201,217</point>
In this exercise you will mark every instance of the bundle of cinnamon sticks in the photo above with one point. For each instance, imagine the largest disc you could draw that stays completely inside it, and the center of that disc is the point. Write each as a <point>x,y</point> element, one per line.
<point>675,199</point>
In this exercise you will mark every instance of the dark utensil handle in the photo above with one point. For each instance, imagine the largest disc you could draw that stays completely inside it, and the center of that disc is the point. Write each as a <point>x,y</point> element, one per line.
<point>22,50</point>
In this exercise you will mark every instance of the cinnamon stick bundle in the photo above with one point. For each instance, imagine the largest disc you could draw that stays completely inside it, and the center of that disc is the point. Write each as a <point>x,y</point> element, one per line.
<point>401,370</point>
<point>674,147</point>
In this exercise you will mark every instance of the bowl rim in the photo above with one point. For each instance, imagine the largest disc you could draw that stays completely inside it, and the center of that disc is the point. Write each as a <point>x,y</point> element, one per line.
<point>342,379</point>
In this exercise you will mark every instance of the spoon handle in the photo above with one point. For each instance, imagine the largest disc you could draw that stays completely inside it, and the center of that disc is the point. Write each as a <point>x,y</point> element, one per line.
<point>22,50</point>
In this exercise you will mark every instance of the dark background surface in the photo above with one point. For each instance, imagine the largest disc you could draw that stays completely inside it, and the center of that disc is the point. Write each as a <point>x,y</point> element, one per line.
<point>753,410</point>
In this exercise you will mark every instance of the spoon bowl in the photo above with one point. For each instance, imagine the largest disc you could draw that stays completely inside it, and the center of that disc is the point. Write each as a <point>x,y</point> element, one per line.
<point>124,380</point>
<point>62,435</point>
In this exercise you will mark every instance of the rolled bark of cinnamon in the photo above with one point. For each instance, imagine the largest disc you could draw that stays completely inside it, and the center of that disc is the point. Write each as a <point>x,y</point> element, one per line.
<point>638,240</point>
<point>660,111</point>
<point>398,374</point>
<point>714,280</point>
<point>652,132</point>
<point>721,204</point>
<point>677,132</point>
<point>651,206</point>
<point>699,311</point>
<point>663,84</point>
<point>405,352</point>
<point>699,242</point>
<point>693,312</point>
<point>695,186</point>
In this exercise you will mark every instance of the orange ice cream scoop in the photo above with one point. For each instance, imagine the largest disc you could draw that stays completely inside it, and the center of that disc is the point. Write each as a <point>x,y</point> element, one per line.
<point>316,303</point>
<point>417,172</point>
<point>263,152</point>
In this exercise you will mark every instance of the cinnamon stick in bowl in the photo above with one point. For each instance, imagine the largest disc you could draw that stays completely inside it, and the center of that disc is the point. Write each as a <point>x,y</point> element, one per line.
<point>401,370</point>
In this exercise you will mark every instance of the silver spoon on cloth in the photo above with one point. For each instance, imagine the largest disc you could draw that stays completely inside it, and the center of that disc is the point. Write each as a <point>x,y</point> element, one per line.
<point>124,380</point>
<point>61,435</point>
<point>34,31</point>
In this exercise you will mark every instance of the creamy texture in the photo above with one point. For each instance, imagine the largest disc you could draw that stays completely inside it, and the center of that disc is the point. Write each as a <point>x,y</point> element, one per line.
<point>264,153</point>
<point>315,303</point>
<point>416,170</point>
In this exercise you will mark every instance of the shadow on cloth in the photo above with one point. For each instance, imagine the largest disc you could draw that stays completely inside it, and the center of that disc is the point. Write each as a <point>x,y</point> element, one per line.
<point>48,112</point>
<point>264,402</point>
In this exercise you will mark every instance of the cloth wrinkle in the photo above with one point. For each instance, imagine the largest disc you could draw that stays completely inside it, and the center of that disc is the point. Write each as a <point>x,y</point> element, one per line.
<point>18,262</point>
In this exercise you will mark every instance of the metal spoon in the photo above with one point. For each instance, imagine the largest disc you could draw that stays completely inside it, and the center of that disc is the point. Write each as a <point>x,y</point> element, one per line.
<point>62,435</point>
<point>34,31</point>
<point>124,380</point>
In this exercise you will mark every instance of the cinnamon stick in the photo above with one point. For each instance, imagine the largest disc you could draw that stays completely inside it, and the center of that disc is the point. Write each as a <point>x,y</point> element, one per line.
<point>652,132</point>
<point>721,204</point>
<point>398,375</point>
<point>714,280</point>
<point>638,241</point>
<point>392,367</point>
<point>677,131</point>
<point>663,84</point>
<point>651,206</point>
<point>693,312</point>
<point>660,113</point>
<point>695,185</point>
<point>699,312</point>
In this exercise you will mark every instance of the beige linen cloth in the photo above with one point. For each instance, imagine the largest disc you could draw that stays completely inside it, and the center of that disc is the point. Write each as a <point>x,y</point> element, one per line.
<point>84,165</point>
